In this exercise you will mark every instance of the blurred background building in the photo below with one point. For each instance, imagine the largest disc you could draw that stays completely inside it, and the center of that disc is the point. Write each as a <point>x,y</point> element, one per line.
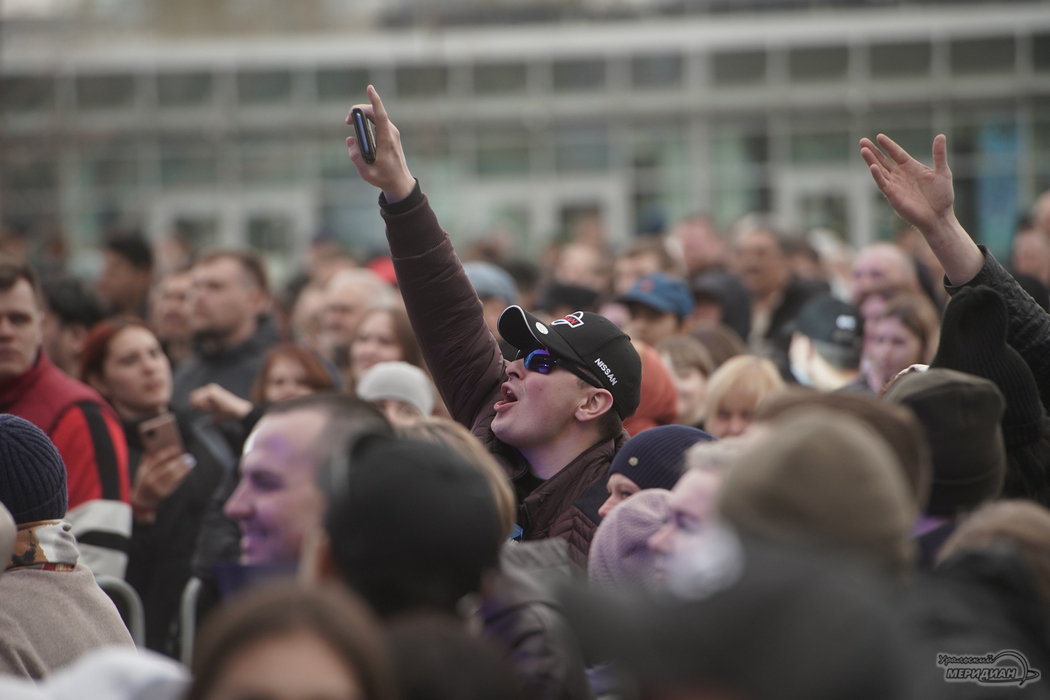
<point>222,120</point>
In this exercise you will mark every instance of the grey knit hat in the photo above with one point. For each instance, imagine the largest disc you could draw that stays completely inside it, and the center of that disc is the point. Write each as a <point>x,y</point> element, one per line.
<point>620,554</point>
<point>32,473</point>
<point>397,380</point>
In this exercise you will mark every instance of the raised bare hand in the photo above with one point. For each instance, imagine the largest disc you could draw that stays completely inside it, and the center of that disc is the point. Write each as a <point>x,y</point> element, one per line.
<point>921,196</point>
<point>221,403</point>
<point>389,172</point>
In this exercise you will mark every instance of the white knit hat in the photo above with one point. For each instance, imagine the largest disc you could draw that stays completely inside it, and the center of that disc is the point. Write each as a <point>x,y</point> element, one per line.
<point>398,380</point>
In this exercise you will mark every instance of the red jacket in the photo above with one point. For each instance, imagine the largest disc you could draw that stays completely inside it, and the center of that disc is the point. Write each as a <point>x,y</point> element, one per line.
<point>86,431</point>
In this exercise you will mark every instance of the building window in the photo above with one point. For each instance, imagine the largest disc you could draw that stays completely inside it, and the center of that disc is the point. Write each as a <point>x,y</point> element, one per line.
<point>976,56</point>
<point>184,89</point>
<point>497,78</point>
<point>27,94</point>
<point>581,149</point>
<point>821,148</point>
<point>903,60</point>
<point>340,85</point>
<point>659,71</point>
<point>738,68</point>
<point>105,91</point>
<point>1041,52</point>
<point>818,63</point>
<point>264,87</point>
<point>422,81</point>
<point>579,76</point>
<point>187,161</point>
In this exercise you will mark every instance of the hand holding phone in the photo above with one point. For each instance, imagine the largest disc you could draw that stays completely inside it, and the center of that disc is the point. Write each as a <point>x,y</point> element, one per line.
<point>159,433</point>
<point>365,130</point>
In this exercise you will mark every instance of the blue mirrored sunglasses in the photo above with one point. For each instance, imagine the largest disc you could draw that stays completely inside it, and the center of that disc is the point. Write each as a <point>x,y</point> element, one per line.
<point>544,362</point>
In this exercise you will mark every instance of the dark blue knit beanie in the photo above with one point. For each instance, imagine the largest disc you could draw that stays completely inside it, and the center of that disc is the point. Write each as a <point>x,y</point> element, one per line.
<point>654,458</point>
<point>32,473</point>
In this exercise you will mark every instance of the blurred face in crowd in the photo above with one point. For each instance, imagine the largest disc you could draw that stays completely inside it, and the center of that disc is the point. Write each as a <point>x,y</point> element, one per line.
<point>286,379</point>
<point>629,268</point>
<point>1031,255</point>
<point>892,347</point>
<point>277,500</point>
<point>346,303</point>
<point>582,265</point>
<point>136,376</point>
<point>121,284</point>
<point>650,325</point>
<point>63,342</point>
<point>620,489</point>
<point>692,391</point>
<point>700,243</point>
<point>225,301</point>
<point>537,410</point>
<point>375,342</point>
<point>21,329</point>
<point>397,412</point>
<point>171,311</point>
<point>881,268</point>
<point>290,666</point>
<point>691,507</point>
<point>761,263</point>
<point>732,416</point>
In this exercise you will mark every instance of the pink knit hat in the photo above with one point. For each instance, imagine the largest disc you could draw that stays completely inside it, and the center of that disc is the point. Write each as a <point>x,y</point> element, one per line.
<point>620,554</point>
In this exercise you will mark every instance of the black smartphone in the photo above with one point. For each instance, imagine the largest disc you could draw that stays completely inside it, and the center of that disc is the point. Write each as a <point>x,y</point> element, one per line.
<point>366,136</point>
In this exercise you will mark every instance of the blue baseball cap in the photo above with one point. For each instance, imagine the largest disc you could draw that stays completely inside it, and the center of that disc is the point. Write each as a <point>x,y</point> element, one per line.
<point>661,292</point>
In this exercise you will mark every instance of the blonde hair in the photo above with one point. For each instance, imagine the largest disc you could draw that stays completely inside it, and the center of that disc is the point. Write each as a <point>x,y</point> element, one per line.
<point>442,431</point>
<point>749,377</point>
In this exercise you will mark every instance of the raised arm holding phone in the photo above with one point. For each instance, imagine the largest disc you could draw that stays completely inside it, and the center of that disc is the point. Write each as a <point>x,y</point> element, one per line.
<point>924,197</point>
<point>553,416</point>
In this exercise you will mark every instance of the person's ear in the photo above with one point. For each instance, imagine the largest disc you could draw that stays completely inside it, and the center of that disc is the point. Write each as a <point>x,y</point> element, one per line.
<point>316,561</point>
<point>596,403</point>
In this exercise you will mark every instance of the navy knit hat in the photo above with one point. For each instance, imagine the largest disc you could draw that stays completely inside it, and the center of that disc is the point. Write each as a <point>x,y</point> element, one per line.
<point>654,458</point>
<point>32,473</point>
<point>973,340</point>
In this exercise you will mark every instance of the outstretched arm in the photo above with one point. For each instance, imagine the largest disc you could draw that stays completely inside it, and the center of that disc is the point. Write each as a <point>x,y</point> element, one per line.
<point>923,197</point>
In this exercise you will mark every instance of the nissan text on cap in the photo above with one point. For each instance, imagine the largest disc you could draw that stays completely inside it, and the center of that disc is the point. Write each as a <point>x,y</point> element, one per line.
<point>588,340</point>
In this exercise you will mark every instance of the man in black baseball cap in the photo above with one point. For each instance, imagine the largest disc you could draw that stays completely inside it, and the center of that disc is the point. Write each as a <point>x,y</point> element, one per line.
<point>553,416</point>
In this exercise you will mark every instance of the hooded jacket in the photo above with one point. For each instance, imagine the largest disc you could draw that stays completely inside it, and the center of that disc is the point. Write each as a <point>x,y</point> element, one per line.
<point>468,369</point>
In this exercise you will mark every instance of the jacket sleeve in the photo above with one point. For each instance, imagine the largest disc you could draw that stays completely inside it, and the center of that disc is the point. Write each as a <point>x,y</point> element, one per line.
<point>92,444</point>
<point>1028,328</point>
<point>446,314</point>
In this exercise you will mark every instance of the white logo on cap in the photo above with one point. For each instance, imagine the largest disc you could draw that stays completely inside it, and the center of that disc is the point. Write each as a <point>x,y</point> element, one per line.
<point>846,323</point>
<point>542,328</point>
<point>608,372</point>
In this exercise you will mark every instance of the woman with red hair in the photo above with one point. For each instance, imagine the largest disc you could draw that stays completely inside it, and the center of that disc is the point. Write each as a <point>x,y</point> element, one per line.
<point>124,362</point>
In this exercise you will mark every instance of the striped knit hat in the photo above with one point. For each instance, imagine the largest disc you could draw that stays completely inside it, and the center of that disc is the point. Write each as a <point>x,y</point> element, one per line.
<point>32,473</point>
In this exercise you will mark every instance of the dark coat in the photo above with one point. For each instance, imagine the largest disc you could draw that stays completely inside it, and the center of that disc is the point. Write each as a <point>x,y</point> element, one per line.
<point>523,617</point>
<point>160,552</point>
<point>977,603</point>
<point>468,368</point>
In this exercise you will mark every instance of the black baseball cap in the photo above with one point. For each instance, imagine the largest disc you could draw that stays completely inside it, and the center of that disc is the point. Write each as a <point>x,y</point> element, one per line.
<point>588,340</point>
<point>835,327</point>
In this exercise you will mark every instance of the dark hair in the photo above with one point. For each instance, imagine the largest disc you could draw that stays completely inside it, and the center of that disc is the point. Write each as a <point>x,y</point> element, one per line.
<point>720,340</point>
<point>12,270</point>
<point>96,345</point>
<point>437,659</point>
<point>331,613</point>
<point>317,376</point>
<point>132,247</point>
<point>250,263</point>
<point>72,302</point>
<point>687,351</point>
<point>406,338</point>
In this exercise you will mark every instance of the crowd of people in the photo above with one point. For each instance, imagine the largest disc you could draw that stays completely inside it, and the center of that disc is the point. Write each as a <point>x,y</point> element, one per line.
<point>738,464</point>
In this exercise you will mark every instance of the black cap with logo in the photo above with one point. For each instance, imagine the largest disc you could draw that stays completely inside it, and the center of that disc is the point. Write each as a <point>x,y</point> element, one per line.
<point>588,340</point>
<point>835,327</point>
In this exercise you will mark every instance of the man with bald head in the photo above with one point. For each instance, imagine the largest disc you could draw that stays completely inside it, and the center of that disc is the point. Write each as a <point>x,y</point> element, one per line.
<point>882,268</point>
<point>349,295</point>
